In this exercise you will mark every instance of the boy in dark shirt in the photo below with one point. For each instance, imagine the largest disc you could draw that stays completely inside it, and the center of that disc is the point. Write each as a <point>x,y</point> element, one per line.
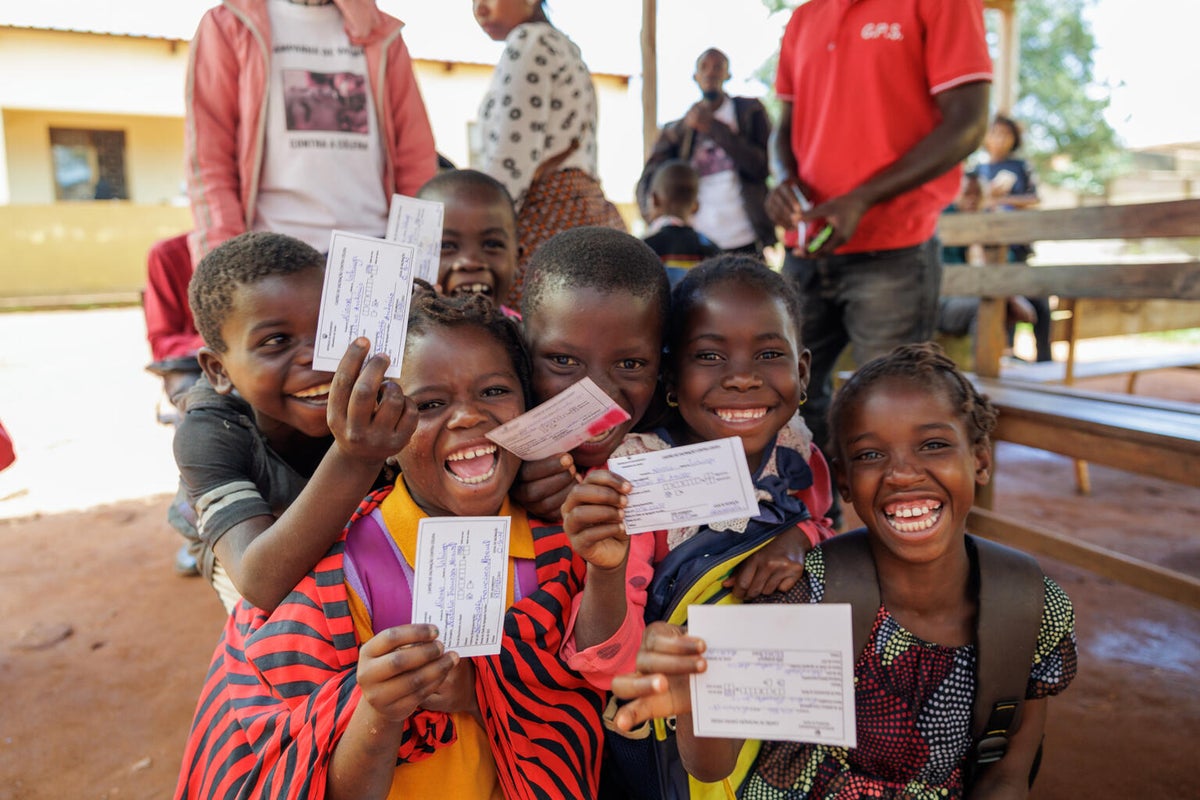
<point>673,200</point>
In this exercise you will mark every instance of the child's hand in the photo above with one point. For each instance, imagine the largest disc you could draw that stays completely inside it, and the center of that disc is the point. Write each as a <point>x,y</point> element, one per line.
<point>542,485</point>
<point>369,416</point>
<point>457,692</point>
<point>593,518</point>
<point>775,567</point>
<point>400,668</point>
<point>659,688</point>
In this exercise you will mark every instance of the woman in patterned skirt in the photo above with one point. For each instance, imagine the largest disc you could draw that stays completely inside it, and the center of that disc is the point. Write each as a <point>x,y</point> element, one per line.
<point>537,128</point>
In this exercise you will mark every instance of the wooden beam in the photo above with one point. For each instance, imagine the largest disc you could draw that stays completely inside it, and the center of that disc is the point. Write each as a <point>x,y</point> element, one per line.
<point>1175,218</point>
<point>649,76</point>
<point>1176,280</point>
<point>1156,580</point>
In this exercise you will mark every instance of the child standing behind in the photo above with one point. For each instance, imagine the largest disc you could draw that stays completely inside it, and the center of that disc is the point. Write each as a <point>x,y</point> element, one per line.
<point>674,193</point>
<point>270,484</point>
<point>480,249</point>
<point>912,444</point>
<point>595,305</point>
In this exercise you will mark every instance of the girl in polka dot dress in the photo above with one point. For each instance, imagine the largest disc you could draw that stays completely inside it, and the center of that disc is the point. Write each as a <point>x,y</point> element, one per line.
<point>911,446</point>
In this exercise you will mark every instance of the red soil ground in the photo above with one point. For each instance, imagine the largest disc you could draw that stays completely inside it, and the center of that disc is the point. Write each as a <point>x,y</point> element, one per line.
<point>103,649</point>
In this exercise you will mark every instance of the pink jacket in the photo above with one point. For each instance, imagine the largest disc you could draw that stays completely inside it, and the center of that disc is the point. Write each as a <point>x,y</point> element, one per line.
<point>226,103</point>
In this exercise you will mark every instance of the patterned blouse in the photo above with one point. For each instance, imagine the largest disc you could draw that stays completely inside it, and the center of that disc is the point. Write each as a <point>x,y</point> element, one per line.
<point>913,701</point>
<point>541,97</point>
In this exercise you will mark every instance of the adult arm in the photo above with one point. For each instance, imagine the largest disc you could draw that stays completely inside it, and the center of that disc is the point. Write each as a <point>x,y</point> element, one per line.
<point>746,146</point>
<point>414,154</point>
<point>212,131</point>
<point>962,127</point>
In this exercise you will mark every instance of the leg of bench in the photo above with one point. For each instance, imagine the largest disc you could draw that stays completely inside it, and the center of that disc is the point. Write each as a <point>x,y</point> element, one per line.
<point>1083,481</point>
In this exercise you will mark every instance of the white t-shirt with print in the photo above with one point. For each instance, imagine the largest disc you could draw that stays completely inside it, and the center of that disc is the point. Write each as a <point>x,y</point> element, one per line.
<point>323,162</point>
<point>721,216</point>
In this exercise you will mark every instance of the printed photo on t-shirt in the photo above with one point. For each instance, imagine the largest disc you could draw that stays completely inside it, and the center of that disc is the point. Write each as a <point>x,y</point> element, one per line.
<point>325,101</point>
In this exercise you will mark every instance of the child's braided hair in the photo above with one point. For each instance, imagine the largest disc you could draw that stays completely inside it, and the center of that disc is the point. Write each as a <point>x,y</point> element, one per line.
<point>429,310</point>
<point>927,365</point>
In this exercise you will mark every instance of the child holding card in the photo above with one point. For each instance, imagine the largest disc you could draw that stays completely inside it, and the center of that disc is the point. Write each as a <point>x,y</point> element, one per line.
<point>273,455</point>
<point>912,439</point>
<point>480,250</point>
<point>338,695</point>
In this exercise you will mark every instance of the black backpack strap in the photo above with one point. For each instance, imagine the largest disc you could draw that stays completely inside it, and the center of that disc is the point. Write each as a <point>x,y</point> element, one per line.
<point>850,578</point>
<point>1011,598</point>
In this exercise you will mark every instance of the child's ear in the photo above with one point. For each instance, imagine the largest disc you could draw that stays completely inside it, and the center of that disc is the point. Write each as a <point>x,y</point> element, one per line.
<point>214,370</point>
<point>803,369</point>
<point>983,463</point>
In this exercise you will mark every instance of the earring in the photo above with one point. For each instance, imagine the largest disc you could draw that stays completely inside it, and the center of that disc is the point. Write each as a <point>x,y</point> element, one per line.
<point>672,400</point>
<point>803,399</point>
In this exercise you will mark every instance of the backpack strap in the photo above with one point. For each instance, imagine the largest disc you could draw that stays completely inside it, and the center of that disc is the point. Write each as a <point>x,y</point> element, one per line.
<point>1011,598</point>
<point>850,578</point>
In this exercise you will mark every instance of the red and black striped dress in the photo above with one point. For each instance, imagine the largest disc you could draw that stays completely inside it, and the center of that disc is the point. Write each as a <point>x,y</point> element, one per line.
<point>281,689</point>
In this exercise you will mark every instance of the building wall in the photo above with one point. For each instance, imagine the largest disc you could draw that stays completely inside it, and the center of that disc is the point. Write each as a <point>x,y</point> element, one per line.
<point>133,84</point>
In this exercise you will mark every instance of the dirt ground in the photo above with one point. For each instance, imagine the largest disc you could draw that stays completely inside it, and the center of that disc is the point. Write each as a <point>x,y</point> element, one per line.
<point>103,649</point>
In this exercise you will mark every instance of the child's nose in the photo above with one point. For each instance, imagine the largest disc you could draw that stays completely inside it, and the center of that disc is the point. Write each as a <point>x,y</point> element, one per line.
<point>742,377</point>
<point>903,471</point>
<point>465,415</point>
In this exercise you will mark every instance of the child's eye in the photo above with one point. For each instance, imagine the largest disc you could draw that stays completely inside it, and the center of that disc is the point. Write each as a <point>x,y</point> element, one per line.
<point>707,355</point>
<point>768,355</point>
<point>631,363</point>
<point>496,391</point>
<point>495,244</point>
<point>429,405</point>
<point>448,247</point>
<point>563,361</point>
<point>866,455</point>
<point>275,340</point>
<point>936,444</point>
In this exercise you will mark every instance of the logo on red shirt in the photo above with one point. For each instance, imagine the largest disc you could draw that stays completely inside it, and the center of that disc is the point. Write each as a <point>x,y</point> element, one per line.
<point>883,30</point>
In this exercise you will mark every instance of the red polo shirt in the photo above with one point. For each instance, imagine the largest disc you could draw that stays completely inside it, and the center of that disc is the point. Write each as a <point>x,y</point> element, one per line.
<point>861,76</point>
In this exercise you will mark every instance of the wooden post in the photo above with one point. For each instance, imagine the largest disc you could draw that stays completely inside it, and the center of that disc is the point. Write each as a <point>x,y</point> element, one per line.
<point>649,76</point>
<point>1004,82</point>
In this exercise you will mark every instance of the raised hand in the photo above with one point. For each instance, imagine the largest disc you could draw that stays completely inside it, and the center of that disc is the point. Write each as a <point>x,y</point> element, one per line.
<point>369,416</point>
<point>593,518</point>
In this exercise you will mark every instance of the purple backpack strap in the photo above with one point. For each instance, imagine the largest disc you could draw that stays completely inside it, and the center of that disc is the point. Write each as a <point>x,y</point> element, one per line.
<point>377,572</point>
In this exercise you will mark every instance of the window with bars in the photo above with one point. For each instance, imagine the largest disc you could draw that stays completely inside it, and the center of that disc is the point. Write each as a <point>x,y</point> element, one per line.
<point>88,164</point>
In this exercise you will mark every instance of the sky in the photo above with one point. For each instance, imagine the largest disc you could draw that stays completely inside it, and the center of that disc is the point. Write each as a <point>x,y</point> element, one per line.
<point>1144,47</point>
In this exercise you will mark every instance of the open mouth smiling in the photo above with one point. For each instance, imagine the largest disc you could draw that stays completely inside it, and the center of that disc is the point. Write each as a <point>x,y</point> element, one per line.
<point>740,415</point>
<point>914,517</point>
<point>315,395</point>
<point>484,289</point>
<point>473,465</point>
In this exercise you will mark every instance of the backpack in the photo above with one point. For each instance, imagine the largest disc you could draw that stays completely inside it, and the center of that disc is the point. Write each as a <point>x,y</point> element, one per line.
<point>1011,597</point>
<point>645,763</point>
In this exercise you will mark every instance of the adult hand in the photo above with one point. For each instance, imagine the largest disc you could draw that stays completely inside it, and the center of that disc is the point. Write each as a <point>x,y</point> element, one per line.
<point>369,416</point>
<point>593,518</point>
<point>699,117</point>
<point>782,205</point>
<point>400,667</point>
<point>843,213</point>
<point>659,689</point>
<point>542,486</point>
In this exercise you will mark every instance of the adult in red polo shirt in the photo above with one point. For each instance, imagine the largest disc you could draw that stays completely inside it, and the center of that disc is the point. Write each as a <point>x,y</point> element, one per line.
<point>882,100</point>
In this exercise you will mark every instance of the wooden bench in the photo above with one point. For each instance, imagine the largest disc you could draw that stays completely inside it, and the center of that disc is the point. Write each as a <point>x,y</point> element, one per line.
<point>1150,437</point>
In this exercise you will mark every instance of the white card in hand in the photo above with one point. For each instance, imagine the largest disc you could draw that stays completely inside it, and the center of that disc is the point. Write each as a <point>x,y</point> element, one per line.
<point>419,223</point>
<point>560,424</point>
<point>367,290</point>
<point>462,581</point>
<point>691,485</point>
<point>775,672</point>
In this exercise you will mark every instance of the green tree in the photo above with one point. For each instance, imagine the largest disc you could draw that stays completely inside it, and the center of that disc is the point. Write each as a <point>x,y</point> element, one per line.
<point>1059,102</point>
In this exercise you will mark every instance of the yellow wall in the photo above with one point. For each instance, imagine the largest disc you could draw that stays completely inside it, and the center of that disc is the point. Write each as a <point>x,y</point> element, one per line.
<point>153,153</point>
<point>80,249</point>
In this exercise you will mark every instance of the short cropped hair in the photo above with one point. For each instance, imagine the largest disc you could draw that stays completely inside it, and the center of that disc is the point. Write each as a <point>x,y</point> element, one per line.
<point>717,271</point>
<point>677,183</point>
<point>430,310</point>
<point>927,366</point>
<point>242,261</point>
<point>593,257</point>
<point>452,181</point>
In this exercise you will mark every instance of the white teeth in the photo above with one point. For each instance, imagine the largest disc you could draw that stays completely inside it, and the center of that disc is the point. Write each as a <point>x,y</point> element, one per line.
<point>740,414</point>
<point>316,391</point>
<point>476,452</point>
<point>473,288</point>
<point>476,479</point>
<point>922,517</point>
